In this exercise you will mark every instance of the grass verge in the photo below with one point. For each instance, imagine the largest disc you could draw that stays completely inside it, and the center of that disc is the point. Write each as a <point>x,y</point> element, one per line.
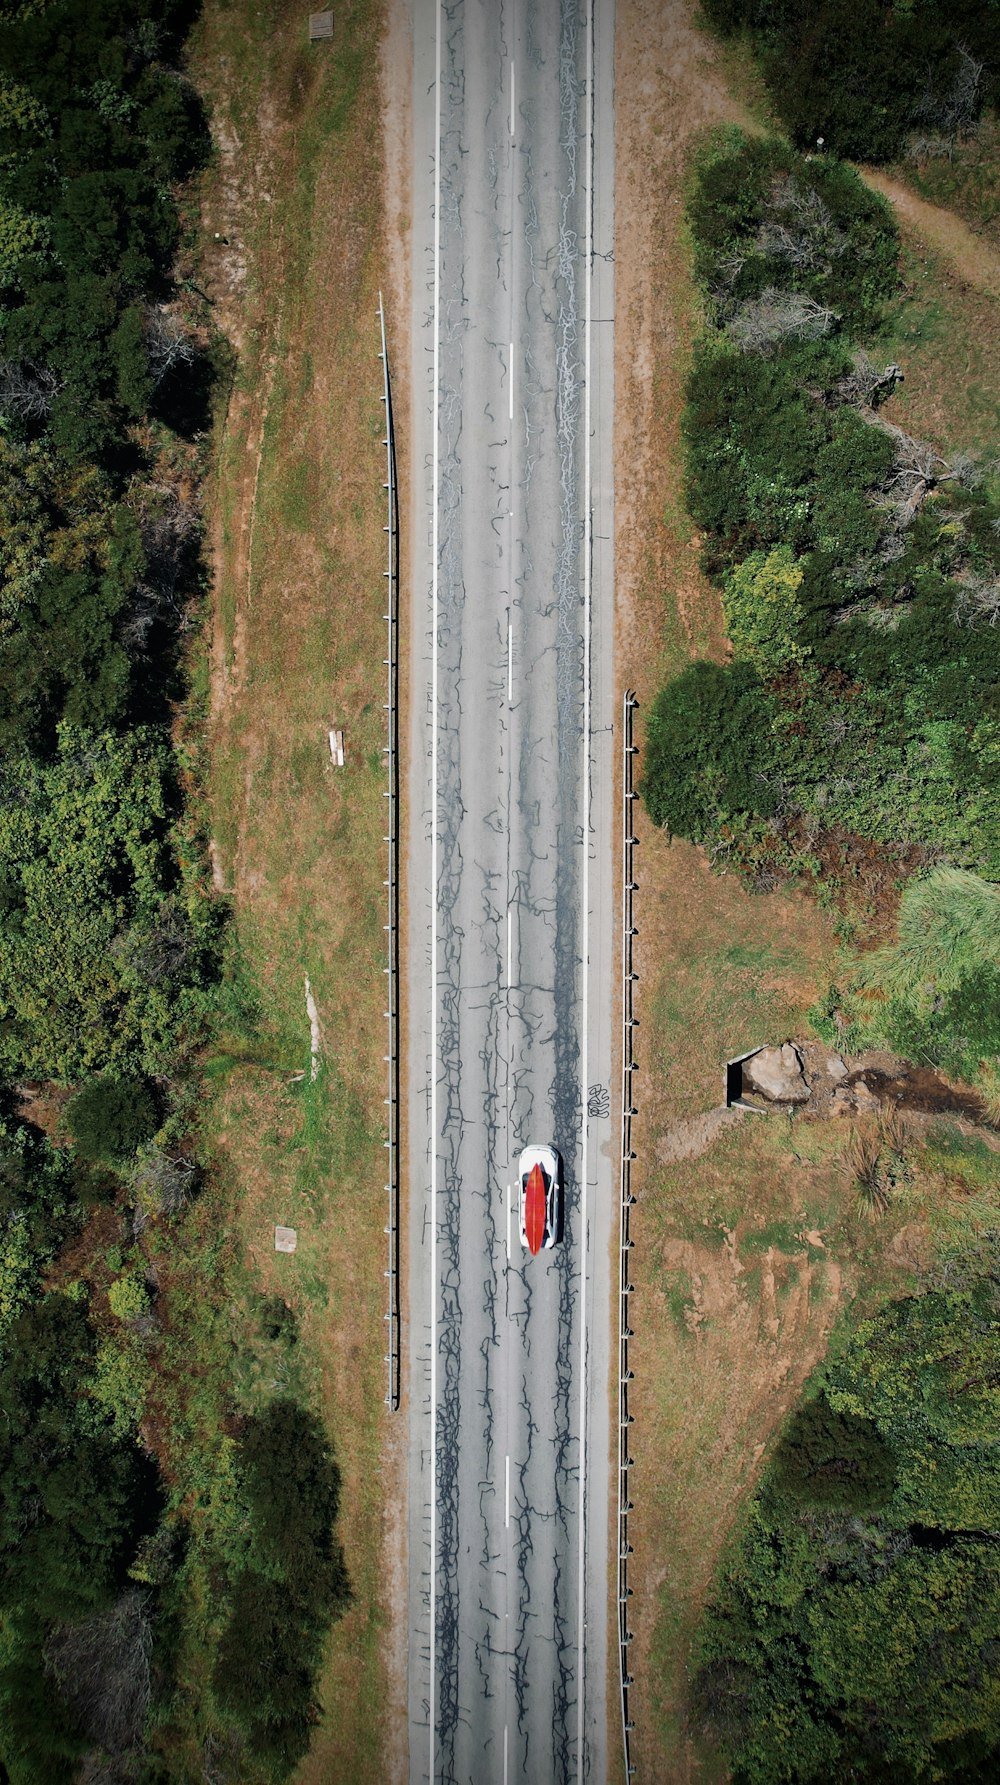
<point>292,226</point>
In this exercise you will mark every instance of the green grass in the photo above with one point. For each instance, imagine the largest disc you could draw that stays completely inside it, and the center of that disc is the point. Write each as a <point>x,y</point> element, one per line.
<point>945,338</point>
<point>678,1289</point>
<point>738,995</point>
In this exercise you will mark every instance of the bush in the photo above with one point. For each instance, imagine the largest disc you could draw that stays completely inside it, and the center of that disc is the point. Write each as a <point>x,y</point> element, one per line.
<point>832,1459</point>
<point>934,994</point>
<point>762,610</point>
<point>765,219</point>
<point>707,750</point>
<point>111,1118</point>
<point>859,74</point>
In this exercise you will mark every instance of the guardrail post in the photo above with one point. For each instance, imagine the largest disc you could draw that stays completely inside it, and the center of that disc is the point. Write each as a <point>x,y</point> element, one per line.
<point>392,1316</point>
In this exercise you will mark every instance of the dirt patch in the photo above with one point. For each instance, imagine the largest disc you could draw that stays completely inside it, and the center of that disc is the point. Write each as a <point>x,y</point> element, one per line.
<point>693,1135</point>
<point>917,1088</point>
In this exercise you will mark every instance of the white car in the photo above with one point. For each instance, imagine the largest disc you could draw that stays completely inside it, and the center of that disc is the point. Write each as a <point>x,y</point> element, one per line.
<point>539,1171</point>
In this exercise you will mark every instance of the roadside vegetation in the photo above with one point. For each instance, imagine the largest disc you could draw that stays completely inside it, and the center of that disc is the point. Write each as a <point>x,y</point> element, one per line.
<point>859,569</point>
<point>805,1286</point>
<point>858,77</point>
<point>854,1626</point>
<point>170,1551</point>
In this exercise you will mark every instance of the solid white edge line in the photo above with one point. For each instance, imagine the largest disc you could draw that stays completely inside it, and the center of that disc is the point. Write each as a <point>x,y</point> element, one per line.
<point>510,661</point>
<point>508,948</point>
<point>512,94</point>
<point>506,1490</point>
<point>510,1204</point>
<point>584,1061</point>
<point>435,471</point>
<point>505,1754</point>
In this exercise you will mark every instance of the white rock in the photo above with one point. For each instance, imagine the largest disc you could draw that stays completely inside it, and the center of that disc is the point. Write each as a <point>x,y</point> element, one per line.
<point>776,1072</point>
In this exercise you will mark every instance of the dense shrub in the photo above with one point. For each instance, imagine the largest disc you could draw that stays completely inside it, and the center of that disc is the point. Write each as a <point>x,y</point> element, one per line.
<point>288,1583</point>
<point>89,882</point>
<point>860,570</point>
<point>859,74</point>
<point>110,1118</point>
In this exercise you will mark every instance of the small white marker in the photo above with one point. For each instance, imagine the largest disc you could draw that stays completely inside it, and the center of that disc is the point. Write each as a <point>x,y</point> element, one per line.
<point>510,660</point>
<point>510,392</point>
<point>505,1754</point>
<point>506,1494</point>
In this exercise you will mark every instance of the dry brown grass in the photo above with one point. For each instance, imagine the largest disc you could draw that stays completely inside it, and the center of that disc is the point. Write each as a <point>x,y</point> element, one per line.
<point>298,642</point>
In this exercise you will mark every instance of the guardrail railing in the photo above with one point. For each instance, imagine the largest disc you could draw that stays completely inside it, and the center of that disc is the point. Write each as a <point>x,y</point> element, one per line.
<point>391,839</point>
<point>625,1286</point>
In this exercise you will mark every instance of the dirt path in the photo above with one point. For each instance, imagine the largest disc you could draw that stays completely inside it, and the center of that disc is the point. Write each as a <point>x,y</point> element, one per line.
<point>975,262</point>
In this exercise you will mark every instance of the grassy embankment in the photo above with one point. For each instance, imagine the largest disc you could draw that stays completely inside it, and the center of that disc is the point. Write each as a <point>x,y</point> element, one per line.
<point>292,227</point>
<point>747,1254</point>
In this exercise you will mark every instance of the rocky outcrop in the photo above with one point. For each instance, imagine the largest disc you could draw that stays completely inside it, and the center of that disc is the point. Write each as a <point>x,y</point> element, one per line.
<point>776,1073</point>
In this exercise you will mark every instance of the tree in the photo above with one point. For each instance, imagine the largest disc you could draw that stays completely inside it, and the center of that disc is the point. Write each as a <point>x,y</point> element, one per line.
<point>67,1487</point>
<point>707,750</point>
<point>38,1210</point>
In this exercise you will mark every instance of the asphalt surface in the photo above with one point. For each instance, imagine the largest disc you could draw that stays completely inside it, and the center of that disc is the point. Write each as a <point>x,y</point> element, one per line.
<point>510,888</point>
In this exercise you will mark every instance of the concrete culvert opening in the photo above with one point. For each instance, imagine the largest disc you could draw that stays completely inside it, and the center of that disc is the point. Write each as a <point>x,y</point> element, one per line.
<point>734,1080</point>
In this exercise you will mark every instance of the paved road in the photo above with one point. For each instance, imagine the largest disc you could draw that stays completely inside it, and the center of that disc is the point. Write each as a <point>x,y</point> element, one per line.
<point>510,960</point>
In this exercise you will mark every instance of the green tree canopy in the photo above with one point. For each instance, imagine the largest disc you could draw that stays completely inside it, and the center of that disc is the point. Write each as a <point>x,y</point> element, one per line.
<point>853,1633</point>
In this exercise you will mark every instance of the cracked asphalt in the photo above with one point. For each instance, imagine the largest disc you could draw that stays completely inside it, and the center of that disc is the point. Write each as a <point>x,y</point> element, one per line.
<point>510,942</point>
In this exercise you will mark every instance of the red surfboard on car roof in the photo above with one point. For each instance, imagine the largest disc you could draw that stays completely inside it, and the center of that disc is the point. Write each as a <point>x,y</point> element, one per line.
<point>535,1192</point>
<point>539,1174</point>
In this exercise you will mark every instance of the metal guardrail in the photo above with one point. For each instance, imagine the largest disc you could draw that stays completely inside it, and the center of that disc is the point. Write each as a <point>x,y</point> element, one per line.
<point>391,839</point>
<point>625,1286</point>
